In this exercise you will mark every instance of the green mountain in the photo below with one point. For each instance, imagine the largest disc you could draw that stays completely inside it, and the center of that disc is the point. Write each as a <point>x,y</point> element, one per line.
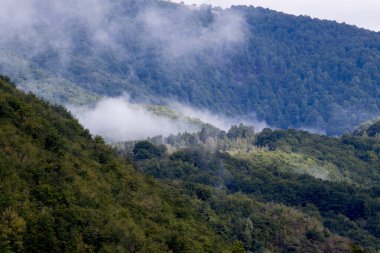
<point>351,158</point>
<point>244,61</point>
<point>334,180</point>
<point>64,190</point>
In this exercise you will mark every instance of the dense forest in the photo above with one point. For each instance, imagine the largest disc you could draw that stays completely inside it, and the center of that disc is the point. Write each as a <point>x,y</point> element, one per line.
<point>307,183</point>
<point>65,190</point>
<point>331,179</point>
<point>253,62</point>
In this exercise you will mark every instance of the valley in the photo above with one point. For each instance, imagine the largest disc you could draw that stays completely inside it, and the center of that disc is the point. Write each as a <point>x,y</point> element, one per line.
<point>152,126</point>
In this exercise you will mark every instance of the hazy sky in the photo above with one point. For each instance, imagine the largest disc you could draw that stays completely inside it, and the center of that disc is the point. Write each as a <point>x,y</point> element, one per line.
<point>362,13</point>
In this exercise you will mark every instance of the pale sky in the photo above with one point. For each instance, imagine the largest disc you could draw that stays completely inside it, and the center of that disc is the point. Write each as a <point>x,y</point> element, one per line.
<point>362,13</point>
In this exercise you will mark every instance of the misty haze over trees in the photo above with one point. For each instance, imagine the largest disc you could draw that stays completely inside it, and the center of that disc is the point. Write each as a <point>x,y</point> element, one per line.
<point>188,129</point>
<point>63,189</point>
<point>289,71</point>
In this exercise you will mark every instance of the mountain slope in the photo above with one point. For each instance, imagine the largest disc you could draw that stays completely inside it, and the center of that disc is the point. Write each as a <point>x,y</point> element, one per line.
<point>334,180</point>
<point>64,191</point>
<point>352,158</point>
<point>289,71</point>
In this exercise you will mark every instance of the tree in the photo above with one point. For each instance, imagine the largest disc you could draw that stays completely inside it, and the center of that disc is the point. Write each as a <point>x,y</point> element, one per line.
<point>145,150</point>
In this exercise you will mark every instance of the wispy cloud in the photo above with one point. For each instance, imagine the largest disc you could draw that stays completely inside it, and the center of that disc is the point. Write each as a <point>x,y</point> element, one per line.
<point>119,119</point>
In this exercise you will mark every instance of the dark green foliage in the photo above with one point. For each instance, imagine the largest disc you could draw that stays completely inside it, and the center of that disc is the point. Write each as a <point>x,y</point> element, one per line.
<point>238,247</point>
<point>290,71</point>
<point>7,80</point>
<point>314,235</point>
<point>64,191</point>
<point>354,156</point>
<point>146,150</point>
<point>357,249</point>
<point>369,129</point>
<point>349,207</point>
<point>241,132</point>
<point>374,129</point>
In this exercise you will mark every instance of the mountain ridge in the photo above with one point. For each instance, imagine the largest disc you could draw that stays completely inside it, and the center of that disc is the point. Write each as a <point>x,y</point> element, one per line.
<point>290,71</point>
<point>64,189</point>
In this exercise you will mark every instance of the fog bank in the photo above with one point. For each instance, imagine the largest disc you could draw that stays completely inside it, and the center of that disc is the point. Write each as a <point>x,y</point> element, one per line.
<point>119,119</point>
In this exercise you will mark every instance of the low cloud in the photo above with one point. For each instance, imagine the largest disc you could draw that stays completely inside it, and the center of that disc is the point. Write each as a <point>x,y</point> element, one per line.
<point>179,34</point>
<point>119,119</point>
<point>37,28</point>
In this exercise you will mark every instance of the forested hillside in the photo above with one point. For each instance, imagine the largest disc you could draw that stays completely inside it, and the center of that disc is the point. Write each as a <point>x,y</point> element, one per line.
<point>64,190</point>
<point>334,180</point>
<point>289,71</point>
<point>175,67</point>
<point>352,158</point>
